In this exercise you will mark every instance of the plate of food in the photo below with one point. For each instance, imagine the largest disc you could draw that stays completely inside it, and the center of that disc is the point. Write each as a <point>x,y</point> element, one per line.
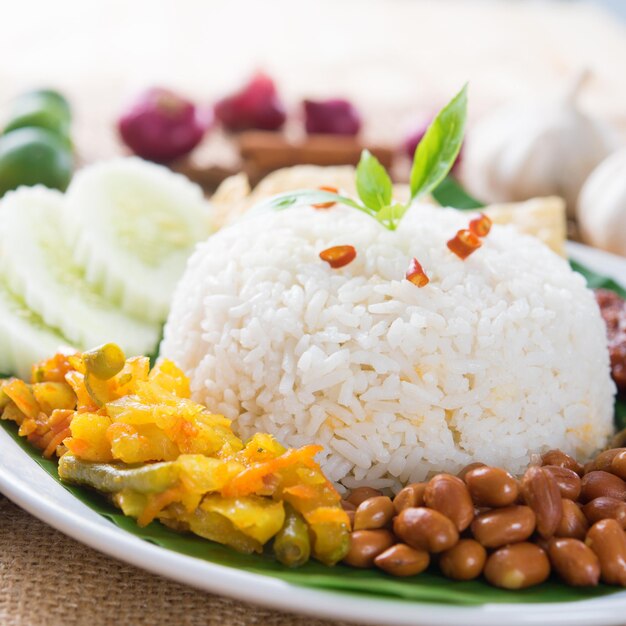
<point>364,405</point>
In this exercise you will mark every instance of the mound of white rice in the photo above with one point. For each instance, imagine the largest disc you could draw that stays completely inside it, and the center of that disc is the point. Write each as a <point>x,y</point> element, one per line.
<point>498,357</point>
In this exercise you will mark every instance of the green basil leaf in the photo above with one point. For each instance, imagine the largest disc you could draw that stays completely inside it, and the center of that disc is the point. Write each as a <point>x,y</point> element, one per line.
<point>436,152</point>
<point>390,215</point>
<point>450,194</point>
<point>306,197</point>
<point>372,182</point>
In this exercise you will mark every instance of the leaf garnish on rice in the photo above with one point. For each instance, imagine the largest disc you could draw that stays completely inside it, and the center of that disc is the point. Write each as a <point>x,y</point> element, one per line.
<point>434,157</point>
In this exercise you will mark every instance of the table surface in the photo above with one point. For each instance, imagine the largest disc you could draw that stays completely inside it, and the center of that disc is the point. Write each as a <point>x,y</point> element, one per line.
<point>399,60</point>
<point>47,579</point>
<point>402,58</point>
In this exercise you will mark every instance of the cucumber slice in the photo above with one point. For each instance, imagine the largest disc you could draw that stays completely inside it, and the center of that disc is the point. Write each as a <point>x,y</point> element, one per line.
<point>24,338</point>
<point>38,267</point>
<point>132,225</point>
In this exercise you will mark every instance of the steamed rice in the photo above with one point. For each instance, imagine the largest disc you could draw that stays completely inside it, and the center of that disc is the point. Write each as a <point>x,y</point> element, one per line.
<point>498,357</point>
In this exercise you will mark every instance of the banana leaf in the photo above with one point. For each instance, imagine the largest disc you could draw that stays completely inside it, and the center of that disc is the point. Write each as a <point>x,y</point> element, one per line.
<point>429,586</point>
<point>450,193</point>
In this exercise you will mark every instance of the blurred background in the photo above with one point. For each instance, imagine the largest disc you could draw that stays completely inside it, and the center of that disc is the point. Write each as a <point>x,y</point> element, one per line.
<point>395,61</point>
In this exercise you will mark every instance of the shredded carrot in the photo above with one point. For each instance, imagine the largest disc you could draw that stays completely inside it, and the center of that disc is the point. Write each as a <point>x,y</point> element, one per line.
<point>55,442</point>
<point>60,419</point>
<point>79,447</point>
<point>119,429</point>
<point>305,492</point>
<point>158,502</point>
<point>23,397</point>
<point>251,479</point>
<point>27,427</point>
<point>52,370</point>
<point>76,381</point>
<point>327,515</point>
<point>41,438</point>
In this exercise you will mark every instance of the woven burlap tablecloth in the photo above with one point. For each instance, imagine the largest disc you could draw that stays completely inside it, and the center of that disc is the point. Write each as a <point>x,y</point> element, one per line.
<point>48,579</point>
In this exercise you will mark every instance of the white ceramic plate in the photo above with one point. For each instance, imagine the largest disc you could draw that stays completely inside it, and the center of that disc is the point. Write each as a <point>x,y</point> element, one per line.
<point>24,482</point>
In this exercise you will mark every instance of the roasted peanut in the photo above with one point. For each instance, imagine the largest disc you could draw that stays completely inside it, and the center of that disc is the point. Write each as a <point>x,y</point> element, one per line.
<point>411,496</point>
<point>402,560</point>
<point>347,506</point>
<point>598,483</point>
<point>573,522</point>
<point>366,545</point>
<point>465,561</point>
<point>618,439</point>
<point>606,508</point>
<point>468,468</point>
<point>587,467</point>
<point>604,460</point>
<point>506,525</point>
<point>541,542</point>
<point>574,562</point>
<point>449,495</point>
<point>541,493</point>
<point>559,458</point>
<point>618,465</point>
<point>568,481</point>
<point>373,513</point>
<point>360,494</point>
<point>518,566</point>
<point>425,529</point>
<point>491,486</point>
<point>607,539</point>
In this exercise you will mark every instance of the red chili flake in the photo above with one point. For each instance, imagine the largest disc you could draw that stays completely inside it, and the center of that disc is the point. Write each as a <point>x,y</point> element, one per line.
<point>480,226</point>
<point>326,205</point>
<point>338,256</point>
<point>416,274</point>
<point>464,243</point>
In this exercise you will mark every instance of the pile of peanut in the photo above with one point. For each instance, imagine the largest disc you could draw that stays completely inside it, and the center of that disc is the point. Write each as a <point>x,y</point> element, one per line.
<point>560,517</point>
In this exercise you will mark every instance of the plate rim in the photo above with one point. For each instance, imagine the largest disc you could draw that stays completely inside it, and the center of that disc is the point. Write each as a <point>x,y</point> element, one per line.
<point>42,497</point>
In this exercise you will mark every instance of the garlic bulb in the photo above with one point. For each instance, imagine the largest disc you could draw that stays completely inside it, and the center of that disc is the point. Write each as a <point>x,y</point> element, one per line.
<point>541,148</point>
<point>601,208</point>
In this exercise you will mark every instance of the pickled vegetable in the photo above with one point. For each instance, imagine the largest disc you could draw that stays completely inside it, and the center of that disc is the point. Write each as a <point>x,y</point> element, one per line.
<point>135,435</point>
<point>254,516</point>
<point>210,525</point>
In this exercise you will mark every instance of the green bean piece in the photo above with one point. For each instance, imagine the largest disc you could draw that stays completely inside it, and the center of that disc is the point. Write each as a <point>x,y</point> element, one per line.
<point>292,545</point>
<point>104,362</point>
<point>112,478</point>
